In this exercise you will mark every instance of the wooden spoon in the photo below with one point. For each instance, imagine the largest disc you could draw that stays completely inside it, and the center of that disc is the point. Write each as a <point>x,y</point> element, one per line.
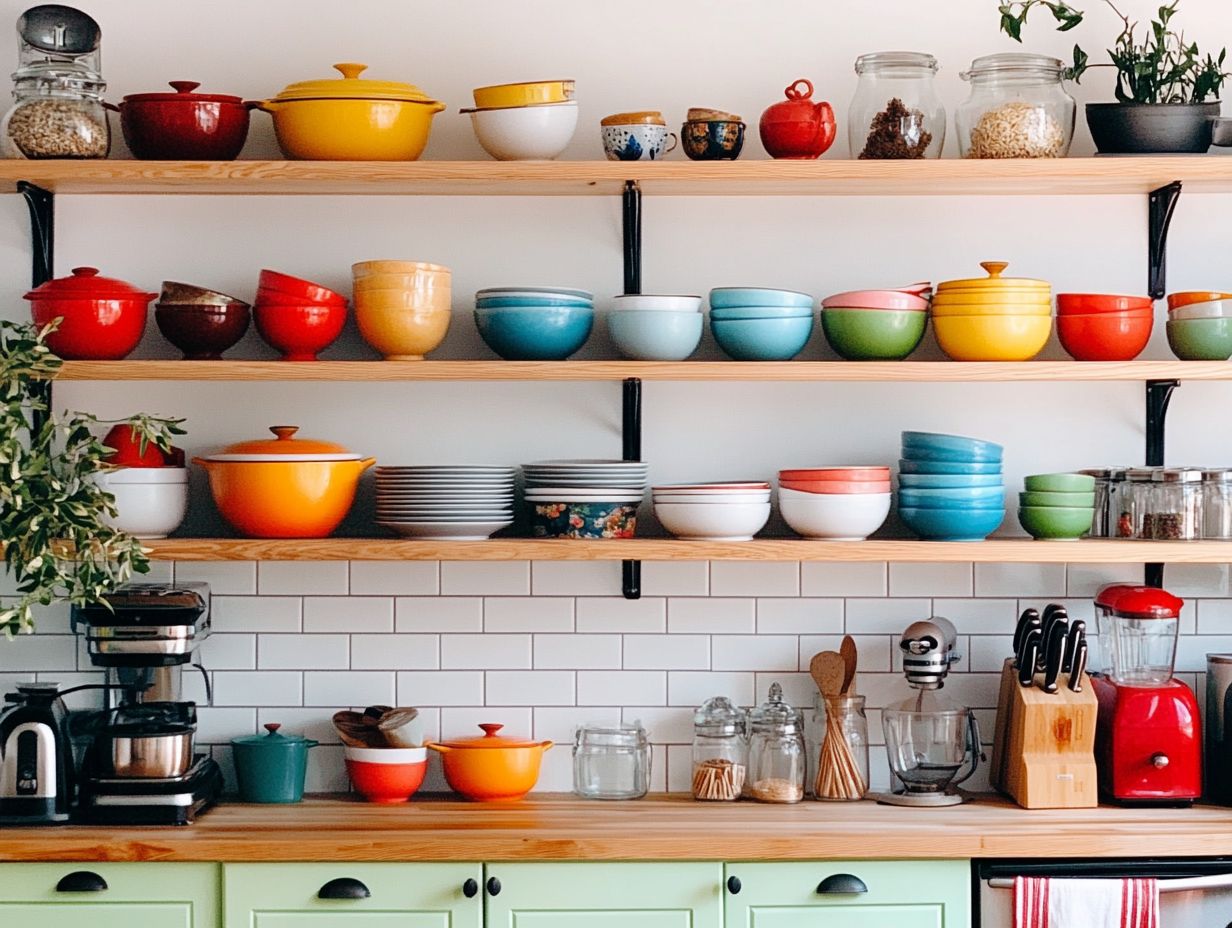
<point>850,658</point>
<point>828,670</point>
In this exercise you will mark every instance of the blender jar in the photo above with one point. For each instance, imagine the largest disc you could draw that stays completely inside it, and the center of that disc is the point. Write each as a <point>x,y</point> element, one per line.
<point>896,113</point>
<point>1017,108</point>
<point>931,743</point>
<point>1138,628</point>
<point>777,758</point>
<point>720,750</point>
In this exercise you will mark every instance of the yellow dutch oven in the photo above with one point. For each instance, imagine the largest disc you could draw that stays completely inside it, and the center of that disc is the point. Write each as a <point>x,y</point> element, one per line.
<point>529,93</point>
<point>352,119</point>
<point>992,318</point>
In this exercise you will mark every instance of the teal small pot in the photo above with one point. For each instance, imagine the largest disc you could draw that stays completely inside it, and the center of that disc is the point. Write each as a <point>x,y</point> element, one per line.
<point>271,767</point>
<point>1201,339</point>
<point>873,334</point>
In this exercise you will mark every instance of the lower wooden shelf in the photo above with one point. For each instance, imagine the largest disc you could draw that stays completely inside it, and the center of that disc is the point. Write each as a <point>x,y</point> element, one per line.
<point>1003,550</point>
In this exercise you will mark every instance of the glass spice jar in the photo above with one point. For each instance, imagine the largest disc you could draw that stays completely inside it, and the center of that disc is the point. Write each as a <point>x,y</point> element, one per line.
<point>1135,502</point>
<point>1174,512</point>
<point>611,761</point>
<point>58,113</point>
<point>1217,503</point>
<point>1109,483</point>
<point>1018,108</point>
<point>896,113</point>
<point>842,764</point>
<point>777,758</point>
<point>720,750</point>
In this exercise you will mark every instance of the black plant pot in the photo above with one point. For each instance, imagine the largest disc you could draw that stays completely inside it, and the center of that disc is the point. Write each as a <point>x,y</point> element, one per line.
<point>1151,128</point>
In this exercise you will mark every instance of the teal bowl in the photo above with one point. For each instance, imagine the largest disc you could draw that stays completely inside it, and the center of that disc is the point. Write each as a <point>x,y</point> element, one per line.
<point>936,446</point>
<point>873,334</point>
<point>930,499</point>
<point>947,481</point>
<point>550,333</point>
<point>911,466</point>
<point>655,335</point>
<point>1201,339</point>
<point>760,312</point>
<point>763,339</point>
<point>1056,523</point>
<point>1060,483</point>
<point>724,297</point>
<point>1067,500</point>
<point>952,524</point>
<point>521,302</point>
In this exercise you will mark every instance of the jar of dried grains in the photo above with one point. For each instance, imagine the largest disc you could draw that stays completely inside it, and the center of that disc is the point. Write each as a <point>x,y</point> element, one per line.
<point>58,113</point>
<point>777,758</point>
<point>1018,108</point>
<point>896,113</point>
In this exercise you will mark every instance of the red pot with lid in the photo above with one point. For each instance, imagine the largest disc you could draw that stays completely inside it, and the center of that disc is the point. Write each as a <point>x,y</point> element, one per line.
<point>797,127</point>
<point>184,125</point>
<point>101,318</point>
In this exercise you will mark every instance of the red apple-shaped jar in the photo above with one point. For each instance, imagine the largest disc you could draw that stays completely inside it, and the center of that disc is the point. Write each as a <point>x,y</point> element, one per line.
<point>797,127</point>
<point>101,318</point>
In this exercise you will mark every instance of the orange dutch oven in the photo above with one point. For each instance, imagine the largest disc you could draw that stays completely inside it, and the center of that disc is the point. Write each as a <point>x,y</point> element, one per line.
<point>491,768</point>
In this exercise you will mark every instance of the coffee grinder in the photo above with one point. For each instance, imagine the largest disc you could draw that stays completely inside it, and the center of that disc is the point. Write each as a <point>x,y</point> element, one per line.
<point>1148,740</point>
<point>139,766</point>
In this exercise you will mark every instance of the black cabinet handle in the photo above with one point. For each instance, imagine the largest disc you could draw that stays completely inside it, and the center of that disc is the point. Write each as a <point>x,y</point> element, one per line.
<point>733,885</point>
<point>841,884</point>
<point>344,887</point>
<point>81,881</point>
<point>469,889</point>
<point>494,886</point>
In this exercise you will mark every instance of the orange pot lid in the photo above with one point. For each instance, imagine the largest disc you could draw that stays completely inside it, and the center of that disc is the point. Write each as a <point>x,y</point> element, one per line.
<point>283,447</point>
<point>994,281</point>
<point>352,87</point>
<point>490,739</point>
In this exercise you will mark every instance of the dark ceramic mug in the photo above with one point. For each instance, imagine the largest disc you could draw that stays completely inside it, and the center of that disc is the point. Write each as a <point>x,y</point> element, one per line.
<point>712,140</point>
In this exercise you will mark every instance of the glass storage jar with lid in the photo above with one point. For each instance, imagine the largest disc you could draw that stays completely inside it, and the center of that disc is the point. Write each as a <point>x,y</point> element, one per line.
<point>720,750</point>
<point>57,113</point>
<point>777,758</point>
<point>611,761</point>
<point>1135,503</point>
<point>1018,108</point>
<point>1217,503</point>
<point>1174,510</point>
<point>896,113</point>
<point>1109,484</point>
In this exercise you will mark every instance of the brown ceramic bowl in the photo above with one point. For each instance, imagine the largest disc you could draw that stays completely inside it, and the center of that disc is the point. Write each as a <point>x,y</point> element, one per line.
<point>180,294</point>
<point>202,332</point>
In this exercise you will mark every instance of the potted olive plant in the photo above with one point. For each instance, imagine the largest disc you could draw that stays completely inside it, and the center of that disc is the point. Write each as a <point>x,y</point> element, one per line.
<point>57,545</point>
<point>1167,92</point>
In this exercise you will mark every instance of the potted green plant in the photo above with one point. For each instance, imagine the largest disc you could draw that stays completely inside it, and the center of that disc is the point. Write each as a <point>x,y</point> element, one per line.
<point>1167,92</point>
<point>57,546</point>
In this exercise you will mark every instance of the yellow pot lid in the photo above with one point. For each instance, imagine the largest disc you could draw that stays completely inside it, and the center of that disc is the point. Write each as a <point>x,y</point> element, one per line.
<point>352,87</point>
<point>994,281</point>
<point>283,447</point>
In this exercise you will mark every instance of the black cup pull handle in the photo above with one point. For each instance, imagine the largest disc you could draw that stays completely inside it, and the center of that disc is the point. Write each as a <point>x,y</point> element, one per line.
<point>494,886</point>
<point>81,881</point>
<point>470,889</point>
<point>733,885</point>
<point>841,884</point>
<point>344,887</point>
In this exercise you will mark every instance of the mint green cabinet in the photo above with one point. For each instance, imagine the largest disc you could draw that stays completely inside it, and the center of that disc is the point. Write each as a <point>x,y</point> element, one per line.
<point>604,895</point>
<point>899,894</point>
<point>397,895</point>
<point>139,895</point>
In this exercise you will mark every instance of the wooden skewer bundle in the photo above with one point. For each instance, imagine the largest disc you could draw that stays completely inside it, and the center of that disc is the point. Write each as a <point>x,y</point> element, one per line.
<point>718,779</point>
<point>838,773</point>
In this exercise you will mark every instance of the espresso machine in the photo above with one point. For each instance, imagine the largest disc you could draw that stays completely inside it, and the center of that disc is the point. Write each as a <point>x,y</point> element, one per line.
<point>36,759</point>
<point>139,766</point>
<point>1148,740</point>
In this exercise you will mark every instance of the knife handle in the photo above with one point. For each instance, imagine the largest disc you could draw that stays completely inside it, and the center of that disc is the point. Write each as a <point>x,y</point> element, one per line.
<point>1054,614</point>
<point>1028,619</point>
<point>1054,649</point>
<point>1077,632</point>
<point>1030,650</point>
<point>1079,667</point>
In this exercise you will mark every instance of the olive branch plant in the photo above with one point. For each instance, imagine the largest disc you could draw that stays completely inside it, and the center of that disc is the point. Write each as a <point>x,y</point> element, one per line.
<point>57,546</point>
<point>1162,67</point>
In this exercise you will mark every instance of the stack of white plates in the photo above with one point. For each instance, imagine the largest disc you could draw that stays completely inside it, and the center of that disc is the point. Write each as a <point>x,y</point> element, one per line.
<point>461,502</point>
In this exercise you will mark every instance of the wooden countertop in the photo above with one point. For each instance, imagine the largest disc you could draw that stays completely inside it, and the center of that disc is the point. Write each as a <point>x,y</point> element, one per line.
<point>658,827</point>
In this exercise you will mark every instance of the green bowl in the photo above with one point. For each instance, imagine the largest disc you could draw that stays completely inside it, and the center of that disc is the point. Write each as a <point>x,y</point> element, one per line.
<point>1066,500</point>
<point>1060,483</point>
<point>873,334</point>
<point>1201,339</point>
<point>1058,523</point>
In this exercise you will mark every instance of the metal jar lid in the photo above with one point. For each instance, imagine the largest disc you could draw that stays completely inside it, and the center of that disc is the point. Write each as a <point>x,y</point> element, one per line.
<point>1140,474</point>
<point>1217,475</point>
<point>1105,473</point>
<point>1178,475</point>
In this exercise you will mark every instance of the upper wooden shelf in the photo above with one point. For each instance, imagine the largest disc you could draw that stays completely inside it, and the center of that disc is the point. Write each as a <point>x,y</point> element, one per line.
<point>826,177</point>
<point>868,371</point>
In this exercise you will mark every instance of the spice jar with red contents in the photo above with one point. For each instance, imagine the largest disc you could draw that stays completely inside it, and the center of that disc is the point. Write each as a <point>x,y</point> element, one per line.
<point>101,318</point>
<point>797,127</point>
<point>184,126</point>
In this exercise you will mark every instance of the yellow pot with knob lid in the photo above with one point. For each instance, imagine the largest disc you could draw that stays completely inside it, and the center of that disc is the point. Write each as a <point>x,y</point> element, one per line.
<point>352,118</point>
<point>993,295</point>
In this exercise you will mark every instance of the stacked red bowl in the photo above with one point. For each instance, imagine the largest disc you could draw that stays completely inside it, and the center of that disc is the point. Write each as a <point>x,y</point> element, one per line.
<point>297,317</point>
<point>1104,327</point>
<point>835,503</point>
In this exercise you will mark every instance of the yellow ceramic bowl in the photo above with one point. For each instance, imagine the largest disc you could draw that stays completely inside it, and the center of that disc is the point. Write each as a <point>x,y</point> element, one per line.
<point>352,130</point>
<point>531,93</point>
<point>992,338</point>
<point>1003,297</point>
<point>427,296</point>
<point>363,269</point>
<point>988,308</point>
<point>421,283</point>
<point>402,334</point>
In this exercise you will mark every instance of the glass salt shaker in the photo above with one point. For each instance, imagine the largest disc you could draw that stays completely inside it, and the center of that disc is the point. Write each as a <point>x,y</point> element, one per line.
<point>611,761</point>
<point>1217,503</point>
<point>896,113</point>
<point>720,750</point>
<point>777,758</point>
<point>841,771</point>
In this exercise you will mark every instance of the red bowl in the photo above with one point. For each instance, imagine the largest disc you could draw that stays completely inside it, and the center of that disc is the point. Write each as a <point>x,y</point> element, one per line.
<point>301,290</point>
<point>1104,336</point>
<point>386,783</point>
<point>299,332</point>
<point>1087,303</point>
<point>92,330</point>
<point>836,486</point>
<point>866,474</point>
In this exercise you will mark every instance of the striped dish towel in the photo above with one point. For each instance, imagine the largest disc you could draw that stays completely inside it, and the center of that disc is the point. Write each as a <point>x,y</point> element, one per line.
<point>1043,902</point>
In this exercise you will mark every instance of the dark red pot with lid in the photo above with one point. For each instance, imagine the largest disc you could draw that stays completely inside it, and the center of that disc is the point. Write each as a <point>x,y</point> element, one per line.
<point>184,125</point>
<point>101,318</point>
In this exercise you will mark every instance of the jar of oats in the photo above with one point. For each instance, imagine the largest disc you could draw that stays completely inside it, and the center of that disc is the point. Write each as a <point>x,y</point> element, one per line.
<point>57,112</point>
<point>1018,108</point>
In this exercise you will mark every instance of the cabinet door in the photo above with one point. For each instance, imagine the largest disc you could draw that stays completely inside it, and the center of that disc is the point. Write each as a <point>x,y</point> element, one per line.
<point>897,894</point>
<point>352,895</point>
<point>100,895</point>
<point>603,895</point>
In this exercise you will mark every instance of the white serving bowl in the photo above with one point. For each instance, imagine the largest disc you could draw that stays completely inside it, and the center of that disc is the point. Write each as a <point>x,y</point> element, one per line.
<point>1211,309</point>
<point>151,502</point>
<point>709,522</point>
<point>385,755</point>
<point>658,303</point>
<point>526,133</point>
<point>835,516</point>
<point>714,499</point>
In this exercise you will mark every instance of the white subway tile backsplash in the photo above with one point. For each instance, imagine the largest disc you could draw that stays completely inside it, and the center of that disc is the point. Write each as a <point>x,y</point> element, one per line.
<point>527,614</point>
<point>575,578</point>
<point>235,578</point>
<point>1190,580</point>
<point>926,579</point>
<point>617,614</point>
<point>349,688</point>
<point>312,723</point>
<point>349,614</point>
<point>988,652</point>
<point>664,725</point>
<point>228,652</point>
<point>1214,617</point>
<point>755,578</point>
<point>577,652</point>
<point>327,773</point>
<point>439,614</point>
<point>253,688</point>
<point>485,578</point>
<point>1085,579</point>
<point>692,688</point>
<point>395,578</point>
<point>395,652</point>
<point>558,723</point>
<point>531,687</point>
<point>799,689</point>
<point>440,688</point>
<point>820,578</point>
<point>515,721</point>
<point>1020,580</point>
<point>675,578</point>
<point>757,652</point>
<point>666,652</point>
<point>256,613</point>
<point>216,725</point>
<point>303,652</point>
<point>891,616</point>
<point>709,616</point>
<point>485,652</point>
<point>39,652</point>
<point>872,651</point>
<point>301,578</point>
<point>621,687</point>
<point>980,616</point>
<point>800,616</point>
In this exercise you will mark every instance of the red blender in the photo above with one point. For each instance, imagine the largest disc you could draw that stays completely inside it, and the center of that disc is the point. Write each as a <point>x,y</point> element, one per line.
<point>1148,740</point>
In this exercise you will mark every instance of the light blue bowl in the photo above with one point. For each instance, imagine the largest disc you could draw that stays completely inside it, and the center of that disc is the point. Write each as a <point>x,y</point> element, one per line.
<point>909,466</point>
<point>516,302</point>
<point>761,312</point>
<point>931,446</point>
<point>912,500</point>
<point>535,291</point>
<point>655,335</point>
<point>952,524</point>
<point>724,297</point>
<point>763,339</point>
<point>948,481</point>
<point>546,334</point>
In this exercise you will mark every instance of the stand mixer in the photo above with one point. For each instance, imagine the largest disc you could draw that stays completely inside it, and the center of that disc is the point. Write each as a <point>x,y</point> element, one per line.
<point>932,744</point>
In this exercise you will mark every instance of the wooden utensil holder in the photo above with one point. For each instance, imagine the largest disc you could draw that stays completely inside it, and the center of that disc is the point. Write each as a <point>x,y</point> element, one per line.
<point>1044,747</point>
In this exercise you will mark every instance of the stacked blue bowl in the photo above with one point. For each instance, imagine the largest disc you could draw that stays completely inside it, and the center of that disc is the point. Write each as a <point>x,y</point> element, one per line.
<point>534,323</point>
<point>757,324</point>
<point>950,487</point>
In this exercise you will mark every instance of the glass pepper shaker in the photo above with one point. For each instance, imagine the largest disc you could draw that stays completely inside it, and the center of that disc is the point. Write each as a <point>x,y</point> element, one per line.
<point>842,765</point>
<point>777,758</point>
<point>720,750</point>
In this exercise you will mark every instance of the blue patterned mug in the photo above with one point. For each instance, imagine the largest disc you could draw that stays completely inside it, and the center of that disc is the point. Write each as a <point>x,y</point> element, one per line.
<point>636,142</point>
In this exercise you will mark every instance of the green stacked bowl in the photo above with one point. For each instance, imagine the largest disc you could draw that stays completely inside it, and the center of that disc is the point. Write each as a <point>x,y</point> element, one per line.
<point>1057,507</point>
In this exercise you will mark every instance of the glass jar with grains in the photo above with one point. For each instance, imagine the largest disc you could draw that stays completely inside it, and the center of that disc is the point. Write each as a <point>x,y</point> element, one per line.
<point>777,758</point>
<point>1017,108</point>
<point>58,113</point>
<point>720,750</point>
<point>896,113</point>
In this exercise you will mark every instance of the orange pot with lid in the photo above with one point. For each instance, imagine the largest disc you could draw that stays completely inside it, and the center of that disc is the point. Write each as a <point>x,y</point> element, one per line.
<point>491,767</point>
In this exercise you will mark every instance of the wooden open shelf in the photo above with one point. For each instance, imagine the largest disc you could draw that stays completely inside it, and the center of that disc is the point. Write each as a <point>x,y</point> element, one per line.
<point>781,371</point>
<point>1005,550</point>
<point>946,177</point>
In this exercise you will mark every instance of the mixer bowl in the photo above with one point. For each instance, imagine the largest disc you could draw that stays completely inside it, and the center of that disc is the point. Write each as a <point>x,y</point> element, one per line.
<point>929,749</point>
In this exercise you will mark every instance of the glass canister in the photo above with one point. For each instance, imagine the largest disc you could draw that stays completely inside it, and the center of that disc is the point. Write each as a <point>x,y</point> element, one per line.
<point>720,750</point>
<point>777,758</point>
<point>1018,108</point>
<point>1109,483</point>
<point>1217,503</point>
<point>1174,512</point>
<point>611,761</point>
<point>842,764</point>
<point>1135,502</point>
<point>57,113</point>
<point>896,113</point>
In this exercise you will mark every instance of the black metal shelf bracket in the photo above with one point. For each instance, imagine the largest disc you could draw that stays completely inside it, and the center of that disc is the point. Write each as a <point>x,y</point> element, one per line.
<point>1163,205</point>
<point>42,204</point>
<point>631,420</point>
<point>1158,396</point>
<point>631,226</point>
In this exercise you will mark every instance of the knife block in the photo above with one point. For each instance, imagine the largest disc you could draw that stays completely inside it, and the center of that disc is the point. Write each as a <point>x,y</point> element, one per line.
<point>1044,750</point>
